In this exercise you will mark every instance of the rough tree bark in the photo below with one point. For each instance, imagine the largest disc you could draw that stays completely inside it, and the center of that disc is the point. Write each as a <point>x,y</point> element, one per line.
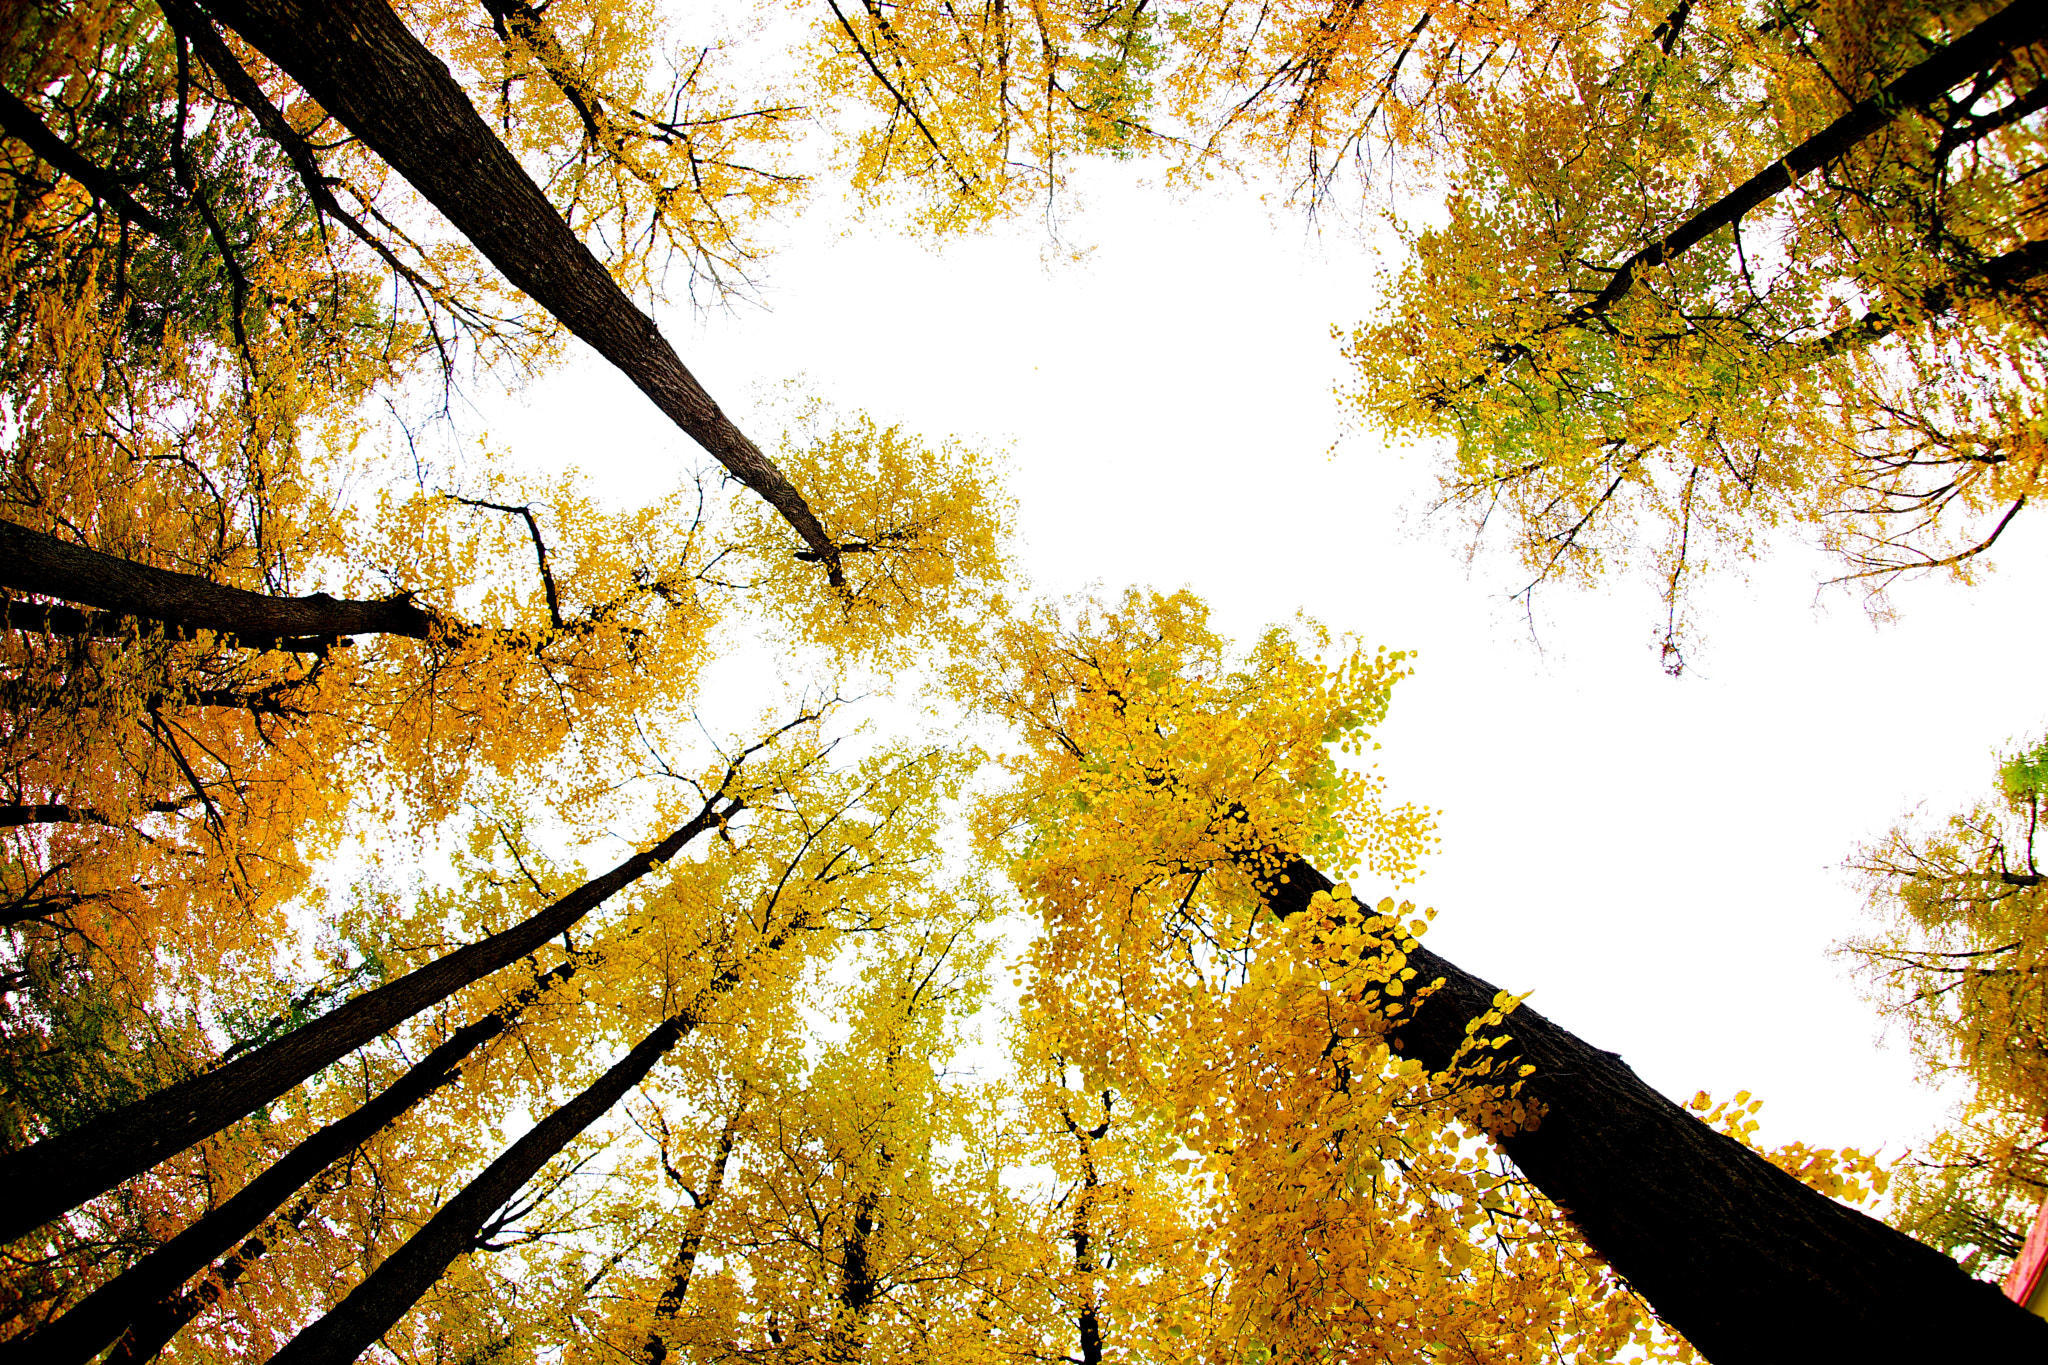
<point>32,561</point>
<point>1752,1266</point>
<point>367,69</point>
<point>61,1172</point>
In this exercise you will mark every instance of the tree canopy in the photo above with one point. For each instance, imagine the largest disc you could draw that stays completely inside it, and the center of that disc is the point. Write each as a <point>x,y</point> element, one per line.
<point>410,950</point>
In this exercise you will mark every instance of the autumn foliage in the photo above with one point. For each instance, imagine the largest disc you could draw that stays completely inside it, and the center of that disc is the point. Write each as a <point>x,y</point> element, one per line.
<point>465,977</point>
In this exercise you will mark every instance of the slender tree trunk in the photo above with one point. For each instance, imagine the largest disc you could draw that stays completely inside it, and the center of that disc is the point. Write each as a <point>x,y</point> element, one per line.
<point>153,1329</point>
<point>2018,25</point>
<point>1089,1322</point>
<point>92,1324</point>
<point>58,1173</point>
<point>667,1308</point>
<point>375,1306</point>
<point>365,67</point>
<point>1752,1266</point>
<point>31,561</point>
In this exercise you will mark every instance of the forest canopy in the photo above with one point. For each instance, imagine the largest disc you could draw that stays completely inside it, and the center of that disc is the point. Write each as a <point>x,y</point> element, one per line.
<point>410,950</point>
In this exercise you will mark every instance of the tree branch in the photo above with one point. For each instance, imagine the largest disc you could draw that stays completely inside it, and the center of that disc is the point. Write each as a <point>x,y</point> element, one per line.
<point>23,124</point>
<point>34,561</point>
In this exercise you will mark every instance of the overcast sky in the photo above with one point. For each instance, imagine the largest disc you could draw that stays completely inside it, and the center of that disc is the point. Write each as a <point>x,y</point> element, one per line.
<point>1657,859</point>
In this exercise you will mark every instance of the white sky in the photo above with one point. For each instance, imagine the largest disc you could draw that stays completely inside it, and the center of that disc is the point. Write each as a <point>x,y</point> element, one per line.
<point>1657,859</point>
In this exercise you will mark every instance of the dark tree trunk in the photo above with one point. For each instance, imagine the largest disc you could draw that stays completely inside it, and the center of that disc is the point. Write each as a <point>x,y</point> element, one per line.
<point>153,1329</point>
<point>2002,276</point>
<point>376,1305</point>
<point>60,813</point>
<point>365,67</point>
<point>2017,25</point>
<point>31,561</point>
<point>94,1323</point>
<point>1752,1266</point>
<point>58,1173</point>
<point>667,1308</point>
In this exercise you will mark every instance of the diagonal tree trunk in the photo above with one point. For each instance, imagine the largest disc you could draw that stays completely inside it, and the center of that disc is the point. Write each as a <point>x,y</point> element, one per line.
<point>2018,25</point>
<point>373,1307</point>
<point>32,561</point>
<point>104,1315</point>
<point>365,67</point>
<point>376,1305</point>
<point>1752,1266</point>
<point>153,1329</point>
<point>2002,276</point>
<point>61,1172</point>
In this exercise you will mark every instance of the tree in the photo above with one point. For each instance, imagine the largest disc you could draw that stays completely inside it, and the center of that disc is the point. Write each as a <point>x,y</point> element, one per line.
<point>1707,274</point>
<point>1168,803</point>
<point>319,1155</point>
<point>1955,963</point>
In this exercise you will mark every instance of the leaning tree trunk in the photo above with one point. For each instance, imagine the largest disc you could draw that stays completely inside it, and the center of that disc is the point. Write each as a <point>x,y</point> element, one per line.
<point>1752,1266</point>
<point>669,1306</point>
<point>59,1173</point>
<point>365,67</point>
<point>96,1321</point>
<point>1973,54</point>
<point>1982,49</point>
<point>153,1330</point>
<point>374,1307</point>
<point>33,561</point>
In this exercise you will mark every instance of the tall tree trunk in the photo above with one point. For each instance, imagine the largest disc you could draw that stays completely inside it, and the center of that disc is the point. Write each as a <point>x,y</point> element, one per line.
<point>2018,25</point>
<point>93,1324</point>
<point>365,67</point>
<point>153,1329</point>
<point>61,1172</point>
<point>1752,1266</point>
<point>1081,1232</point>
<point>31,561</point>
<point>376,1305</point>
<point>846,1341</point>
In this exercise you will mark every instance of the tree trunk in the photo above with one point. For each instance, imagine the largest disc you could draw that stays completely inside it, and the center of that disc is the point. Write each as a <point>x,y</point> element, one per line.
<point>164,1319</point>
<point>31,561</point>
<point>367,69</point>
<point>93,1324</point>
<point>1752,1266</point>
<point>654,1349</point>
<point>2002,276</point>
<point>58,1173</point>
<point>376,1305</point>
<point>846,1341</point>
<point>2018,25</point>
